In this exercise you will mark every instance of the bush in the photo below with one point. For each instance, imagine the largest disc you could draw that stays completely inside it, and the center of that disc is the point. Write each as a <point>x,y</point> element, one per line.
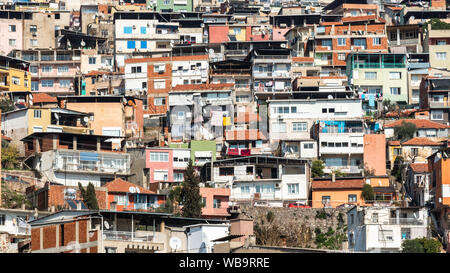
<point>368,193</point>
<point>421,245</point>
<point>317,168</point>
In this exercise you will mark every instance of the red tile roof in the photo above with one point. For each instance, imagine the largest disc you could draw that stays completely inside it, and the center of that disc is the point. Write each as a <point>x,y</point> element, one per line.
<point>420,141</point>
<point>119,185</point>
<point>419,167</point>
<point>394,143</point>
<point>339,184</point>
<point>43,97</point>
<point>302,59</point>
<point>420,123</point>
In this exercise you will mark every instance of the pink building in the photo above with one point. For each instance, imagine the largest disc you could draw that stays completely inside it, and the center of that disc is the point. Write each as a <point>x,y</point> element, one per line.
<point>11,35</point>
<point>241,226</point>
<point>215,202</point>
<point>166,166</point>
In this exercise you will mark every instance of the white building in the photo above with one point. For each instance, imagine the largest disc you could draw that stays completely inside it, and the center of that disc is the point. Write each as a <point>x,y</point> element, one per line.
<point>272,180</point>
<point>417,183</point>
<point>383,229</point>
<point>200,237</point>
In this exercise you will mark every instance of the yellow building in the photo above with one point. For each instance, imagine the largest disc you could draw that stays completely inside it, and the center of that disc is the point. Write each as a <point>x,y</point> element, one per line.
<point>14,75</point>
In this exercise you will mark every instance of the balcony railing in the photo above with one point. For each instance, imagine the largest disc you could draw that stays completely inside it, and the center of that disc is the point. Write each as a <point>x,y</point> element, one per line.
<point>439,104</point>
<point>102,162</point>
<point>127,236</point>
<point>397,221</point>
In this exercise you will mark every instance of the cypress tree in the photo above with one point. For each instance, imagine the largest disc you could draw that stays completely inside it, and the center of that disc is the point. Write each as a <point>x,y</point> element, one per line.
<point>88,196</point>
<point>190,193</point>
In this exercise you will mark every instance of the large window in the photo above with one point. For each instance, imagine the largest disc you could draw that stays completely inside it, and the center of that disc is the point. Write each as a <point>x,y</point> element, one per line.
<point>159,84</point>
<point>131,44</point>
<point>64,83</point>
<point>159,156</point>
<point>370,75</point>
<point>47,83</point>
<point>127,30</point>
<point>216,203</point>
<point>385,235</point>
<point>341,41</point>
<point>226,171</point>
<point>293,188</point>
<point>279,127</point>
<point>441,55</point>
<point>437,114</point>
<point>62,69</point>
<point>161,175</point>
<point>377,41</point>
<point>299,127</point>
<point>395,90</point>
<point>395,75</point>
<point>245,189</point>
<point>92,60</point>
<point>47,68</point>
<point>178,176</point>
<point>352,198</point>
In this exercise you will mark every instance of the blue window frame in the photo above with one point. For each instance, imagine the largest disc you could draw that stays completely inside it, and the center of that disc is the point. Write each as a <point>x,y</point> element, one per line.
<point>131,44</point>
<point>143,44</point>
<point>127,30</point>
<point>143,30</point>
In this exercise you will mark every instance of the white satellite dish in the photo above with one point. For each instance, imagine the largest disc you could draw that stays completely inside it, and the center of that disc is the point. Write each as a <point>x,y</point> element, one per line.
<point>132,189</point>
<point>82,43</point>
<point>106,224</point>
<point>211,51</point>
<point>138,190</point>
<point>175,243</point>
<point>86,119</point>
<point>56,116</point>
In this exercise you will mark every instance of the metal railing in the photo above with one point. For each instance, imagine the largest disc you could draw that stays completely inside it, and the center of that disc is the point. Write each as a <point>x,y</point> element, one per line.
<point>127,236</point>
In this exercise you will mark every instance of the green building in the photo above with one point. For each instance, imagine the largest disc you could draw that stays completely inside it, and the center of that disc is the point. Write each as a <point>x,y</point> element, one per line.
<point>174,5</point>
<point>201,150</point>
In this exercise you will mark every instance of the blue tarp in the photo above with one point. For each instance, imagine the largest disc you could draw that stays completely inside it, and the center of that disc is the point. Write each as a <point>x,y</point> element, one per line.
<point>88,156</point>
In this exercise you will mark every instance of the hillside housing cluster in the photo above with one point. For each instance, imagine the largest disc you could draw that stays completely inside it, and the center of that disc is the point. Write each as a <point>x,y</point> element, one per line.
<point>296,104</point>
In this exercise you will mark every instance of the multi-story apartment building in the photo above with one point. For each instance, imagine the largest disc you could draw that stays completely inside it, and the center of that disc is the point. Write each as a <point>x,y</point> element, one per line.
<point>272,180</point>
<point>405,38</point>
<point>378,77</point>
<point>434,94</point>
<point>23,122</point>
<point>174,5</point>
<point>53,71</point>
<point>424,129</point>
<point>383,229</point>
<point>437,44</point>
<point>139,33</point>
<point>11,24</point>
<point>14,75</point>
<point>69,159</point>
<point>417,184</point>
<point>198,111</point>
<point>271,72</point>
<point>334,41</point>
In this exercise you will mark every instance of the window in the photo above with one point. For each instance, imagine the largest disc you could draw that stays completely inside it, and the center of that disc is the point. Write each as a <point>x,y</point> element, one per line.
<point>299,127</point>
<point>308,145</point>
<point>143,30</point>
<point>341,56</point>
<point>326,199</point>
<point>47,68</point>
<point>47,83</point>
<point>159,101</point>
<point>120,199</point>
<point>374,217</point>
<point>237,31</point>
<point>111,249</point>
<point>377,41</point>
<point>2,219</point>
<point>341,41</point>
<point>12,28</point>
<point>37,113</point>
<point>437,114</point>
<point>293,109</point>
<point>178,176</point>
<point>227,171</point>
<point>293,188</point>
<point>441,42</point>
<point>131,44</point>
<point>352,198</point>
<point>161,84</point>
<point>15,80</point>
<point>370,75</point>
<point>33,28</point>
<point>62,69</point>
<point>159,68</point>
<point>143,44</point>
<point>397,151</point>
<point>64,83</point>
<point>385,235</point>
<point>395,75</point>
<point>127,30</point>
<point>354,13</point>
<point>180,115</point>
<point>92,60</point>
<point>136,69</point>
<point>441,55</point>
<point>34,85</point>
<point>167,2</point>
<point>245,189</point>
<point>216,204</point>
<point>12,42</point>
<point>279,127</point>
<point>414,151</point>
<point>159,156</point>
<point>395,90</point>
<point>324,110</point>
<point>203,202</point>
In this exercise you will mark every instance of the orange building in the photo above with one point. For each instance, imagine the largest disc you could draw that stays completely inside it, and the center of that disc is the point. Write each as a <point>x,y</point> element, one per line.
<point>123,195</point>
<point>374,153</point>
<point>215,202</point>
<point>439,163</point>
<point>341,191</point>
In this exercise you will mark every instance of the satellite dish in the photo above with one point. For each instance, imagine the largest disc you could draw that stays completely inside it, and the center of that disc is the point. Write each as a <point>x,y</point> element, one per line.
<point>56,116</point>
<point>175,243</point>
<point>211,51</point>
<point>85,119</point>
<point>106,224</point>
<point>82,43</point>
<point>132,189</point>
<point>138,190</point>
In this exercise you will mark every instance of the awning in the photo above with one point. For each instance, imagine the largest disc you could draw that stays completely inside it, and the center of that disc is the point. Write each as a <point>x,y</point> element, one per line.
<point>88,156</point>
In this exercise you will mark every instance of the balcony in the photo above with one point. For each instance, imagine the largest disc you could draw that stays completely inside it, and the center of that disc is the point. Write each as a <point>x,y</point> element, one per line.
<point>242,52</point>
<point>439,104</point>
<point>98,162</point>
<point>398,221</point>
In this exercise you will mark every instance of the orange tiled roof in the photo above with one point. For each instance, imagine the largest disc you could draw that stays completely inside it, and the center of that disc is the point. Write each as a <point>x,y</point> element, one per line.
<point>43,97</point>
<point>120,185</point>
<point>394,143</point>
<point>212,86</point>
<point>419,167</point>
<point>339,184</point>
<point>420,123</point>
<point>421,141</point>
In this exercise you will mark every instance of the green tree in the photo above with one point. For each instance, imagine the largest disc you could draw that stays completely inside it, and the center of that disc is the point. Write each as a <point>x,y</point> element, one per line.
<point>368,193</point>
<point>421,245</point>
<point>10,156</point>
<point>398,168</point>
<point>88,196</point>
<point>190,193</point>
<point>6,105</point>
<point>173,199</point>
<point>405,131</point>
<point>317,168</point>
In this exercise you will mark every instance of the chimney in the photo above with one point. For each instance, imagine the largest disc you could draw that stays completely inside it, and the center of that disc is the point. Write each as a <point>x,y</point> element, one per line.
<point>333,177</point>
